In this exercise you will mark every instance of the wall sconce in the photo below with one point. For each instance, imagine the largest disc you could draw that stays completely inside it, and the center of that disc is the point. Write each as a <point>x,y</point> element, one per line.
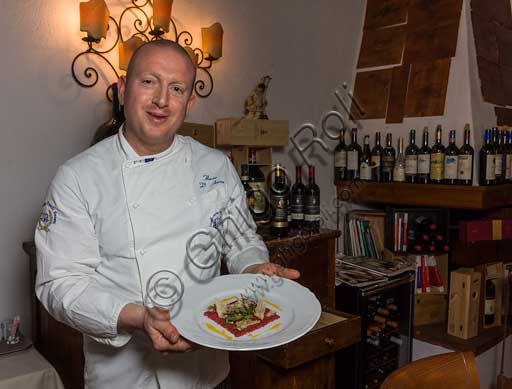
<point>95,20</point>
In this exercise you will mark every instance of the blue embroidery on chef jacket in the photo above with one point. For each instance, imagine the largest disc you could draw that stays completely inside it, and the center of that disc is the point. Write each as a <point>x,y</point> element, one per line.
<point>48,217</point>
<point>207,180</point>
<point>216,220</point>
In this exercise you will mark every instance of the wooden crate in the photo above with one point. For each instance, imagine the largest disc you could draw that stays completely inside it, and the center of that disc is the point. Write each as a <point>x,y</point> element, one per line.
<point>494,273</point>
<point>430,308</point>
<point>203,133</point>
<point>463,310</point>
<point>251,132</point>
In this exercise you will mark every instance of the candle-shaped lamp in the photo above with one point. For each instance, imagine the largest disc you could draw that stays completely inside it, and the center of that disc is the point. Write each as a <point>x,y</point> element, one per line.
<point>212,41</point>
<point>126,50</point>
<point>162,14</point>
<point>94,16</point>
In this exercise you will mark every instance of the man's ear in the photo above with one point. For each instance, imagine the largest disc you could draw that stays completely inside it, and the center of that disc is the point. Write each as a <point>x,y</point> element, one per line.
<point>191,101</point>
<point>121,89</point>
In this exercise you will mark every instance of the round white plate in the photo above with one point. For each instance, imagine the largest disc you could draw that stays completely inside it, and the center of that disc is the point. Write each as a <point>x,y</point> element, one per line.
<point>298,308</point>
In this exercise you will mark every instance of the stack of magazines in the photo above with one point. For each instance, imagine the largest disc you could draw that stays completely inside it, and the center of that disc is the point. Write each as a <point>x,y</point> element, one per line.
<point>363,271</point>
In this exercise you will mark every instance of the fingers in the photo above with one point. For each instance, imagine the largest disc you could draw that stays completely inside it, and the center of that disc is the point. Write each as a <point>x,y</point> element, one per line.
<point>164,336</point>
<point>273,269</point>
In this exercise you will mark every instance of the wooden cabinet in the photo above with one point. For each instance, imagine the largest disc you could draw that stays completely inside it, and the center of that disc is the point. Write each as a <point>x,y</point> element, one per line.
<point>203,133</point>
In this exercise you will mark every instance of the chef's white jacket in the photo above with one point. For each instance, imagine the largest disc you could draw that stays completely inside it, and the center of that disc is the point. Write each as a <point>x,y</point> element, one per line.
<point>111,219</point>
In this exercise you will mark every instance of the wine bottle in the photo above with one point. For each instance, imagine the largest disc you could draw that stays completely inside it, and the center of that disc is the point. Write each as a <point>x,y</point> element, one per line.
<point>377,159</point>
<point>111,126</point>
<point>258,202</point>
<point>490,303</point>
<point>297,202</point>
<point>244,177</point>
<point>366,161</point>
<point>340,159</point>
<point>424,160</point>
<point>451,161</point>
<point>279,192</point>
<point>508,157</point>
<point>437,154</point>
<point>487,161</point>
<point>466,157</point>
<point>500,156</point>
<point>353,157</point>
<point>399,169</point>
<point>425,224</point>
<point>411,159</point>
<point>388,160</point>
<point>312,203</point>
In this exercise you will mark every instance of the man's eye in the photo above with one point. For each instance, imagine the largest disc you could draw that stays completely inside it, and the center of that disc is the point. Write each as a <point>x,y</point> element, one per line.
<point>177,89</point>
<point>147,82</point>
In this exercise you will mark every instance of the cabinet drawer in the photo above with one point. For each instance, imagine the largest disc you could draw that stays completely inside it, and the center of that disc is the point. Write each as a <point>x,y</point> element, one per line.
<point>201,132</point>
<point>250,132</point>
<point>333,331</point>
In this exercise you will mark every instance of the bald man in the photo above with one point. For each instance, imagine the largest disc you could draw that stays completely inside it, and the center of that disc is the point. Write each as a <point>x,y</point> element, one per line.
<point>123,210</point>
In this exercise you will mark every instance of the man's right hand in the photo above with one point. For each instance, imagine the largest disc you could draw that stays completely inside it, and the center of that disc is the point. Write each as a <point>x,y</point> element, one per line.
<point>156,323</point>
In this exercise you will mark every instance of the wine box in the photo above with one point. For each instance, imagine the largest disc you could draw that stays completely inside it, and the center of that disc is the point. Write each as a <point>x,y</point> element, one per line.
<point>464,303</point>
<point>430,308</point>
<point>251,132</point>
<point>491,272</point>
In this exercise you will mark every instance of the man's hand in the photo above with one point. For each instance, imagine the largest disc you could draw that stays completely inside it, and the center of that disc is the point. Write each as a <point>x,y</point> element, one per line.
<point>273,269</point>
<point>156,323</point>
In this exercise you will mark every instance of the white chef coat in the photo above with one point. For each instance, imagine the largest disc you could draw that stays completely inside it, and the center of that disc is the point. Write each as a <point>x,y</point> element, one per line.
<point>111,219</point>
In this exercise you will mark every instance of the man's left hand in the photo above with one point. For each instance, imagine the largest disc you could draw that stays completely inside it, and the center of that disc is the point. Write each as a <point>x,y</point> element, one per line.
<point>273,269</point>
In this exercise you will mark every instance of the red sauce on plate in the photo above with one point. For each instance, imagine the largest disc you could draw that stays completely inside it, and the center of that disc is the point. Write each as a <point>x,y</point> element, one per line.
<point>232,328</point>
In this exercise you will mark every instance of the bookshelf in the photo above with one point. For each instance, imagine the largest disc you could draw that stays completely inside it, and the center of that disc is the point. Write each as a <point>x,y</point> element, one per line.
<point>462,202</point>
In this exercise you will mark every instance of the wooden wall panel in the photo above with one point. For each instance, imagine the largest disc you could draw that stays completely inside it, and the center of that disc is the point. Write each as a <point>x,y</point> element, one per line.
<point>428,84</point>
<point>371,90</point>
<point>397,94</point>
<point>381,13</point>
<point>431,44</point>
<point>506,78</point>
<point>433,13</point>
<point>494,10</point>
<point>381,47</point>
<point>503,116</point>
<point>490,82</point>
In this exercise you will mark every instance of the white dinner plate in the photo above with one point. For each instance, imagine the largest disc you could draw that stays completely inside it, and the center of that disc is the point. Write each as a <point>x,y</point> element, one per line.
<point>298,308</point>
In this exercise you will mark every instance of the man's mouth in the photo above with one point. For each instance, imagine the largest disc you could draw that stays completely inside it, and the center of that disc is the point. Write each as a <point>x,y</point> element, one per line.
<point>157,117</point>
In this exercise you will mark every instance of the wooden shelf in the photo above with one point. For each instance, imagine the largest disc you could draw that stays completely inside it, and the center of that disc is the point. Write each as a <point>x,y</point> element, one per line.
<point>436,334</point>
<point>443,196</point>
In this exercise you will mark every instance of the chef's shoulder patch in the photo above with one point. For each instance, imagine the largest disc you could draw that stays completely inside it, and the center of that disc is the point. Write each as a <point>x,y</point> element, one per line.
<point>48,217</point>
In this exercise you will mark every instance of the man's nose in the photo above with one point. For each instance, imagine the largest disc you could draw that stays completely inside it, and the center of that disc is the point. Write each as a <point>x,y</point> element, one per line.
<point>160,98</point>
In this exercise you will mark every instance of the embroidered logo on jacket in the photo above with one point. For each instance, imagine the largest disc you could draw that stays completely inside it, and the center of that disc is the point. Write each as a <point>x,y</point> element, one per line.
<point>216,220</point>
<point>48,217</point>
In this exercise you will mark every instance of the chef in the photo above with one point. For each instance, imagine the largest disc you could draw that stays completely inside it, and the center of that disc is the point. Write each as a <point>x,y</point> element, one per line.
<point>130,207</point>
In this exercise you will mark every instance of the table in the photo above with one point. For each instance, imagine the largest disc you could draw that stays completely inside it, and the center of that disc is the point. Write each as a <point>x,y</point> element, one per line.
<point>28,370</point>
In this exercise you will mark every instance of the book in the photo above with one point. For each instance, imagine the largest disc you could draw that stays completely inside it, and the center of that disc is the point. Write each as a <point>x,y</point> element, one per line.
<point>349,274</point>
<point>383,267</point>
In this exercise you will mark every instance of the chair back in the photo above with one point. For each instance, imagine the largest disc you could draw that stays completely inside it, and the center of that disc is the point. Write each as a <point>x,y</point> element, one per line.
<point>444,371</point>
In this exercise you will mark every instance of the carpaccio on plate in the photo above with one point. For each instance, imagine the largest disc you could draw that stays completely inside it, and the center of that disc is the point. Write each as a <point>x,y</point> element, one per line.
<point>240,315</point>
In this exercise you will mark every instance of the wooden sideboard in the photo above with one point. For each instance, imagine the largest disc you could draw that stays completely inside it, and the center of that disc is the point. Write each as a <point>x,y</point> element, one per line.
<point>306,362</point>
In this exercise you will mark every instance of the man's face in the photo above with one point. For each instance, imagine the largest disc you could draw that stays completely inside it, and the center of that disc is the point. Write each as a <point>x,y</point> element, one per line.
<point>156,99</point>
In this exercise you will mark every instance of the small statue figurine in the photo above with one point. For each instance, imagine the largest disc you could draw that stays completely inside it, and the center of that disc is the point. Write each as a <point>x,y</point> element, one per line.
<point>256,103</point>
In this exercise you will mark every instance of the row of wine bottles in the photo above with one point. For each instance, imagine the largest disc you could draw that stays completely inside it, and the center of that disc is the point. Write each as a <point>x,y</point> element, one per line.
<point>415,165</point>
<point>437,164</point>
<point>284,208</point>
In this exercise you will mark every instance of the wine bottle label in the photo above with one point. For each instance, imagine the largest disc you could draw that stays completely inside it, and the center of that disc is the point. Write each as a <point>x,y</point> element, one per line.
<point>499,164</point>
<point>490,307</point>
<point>280,206</point>
<point>353,160</point>
<point>490,167</point>
<point>388,163</point>
<point>437,166</point>
<point>366,171</point>
<point>424,164</point>
<point>340,159</point>
<point>411,165</point>
<point>464,166</point>
<point>450,167</point>
<point>297,207</point>
<point>508,168</point>
<point>258,193</point>
<point>399,174</point>
<point>312,208</point>
<point>375,161</point>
